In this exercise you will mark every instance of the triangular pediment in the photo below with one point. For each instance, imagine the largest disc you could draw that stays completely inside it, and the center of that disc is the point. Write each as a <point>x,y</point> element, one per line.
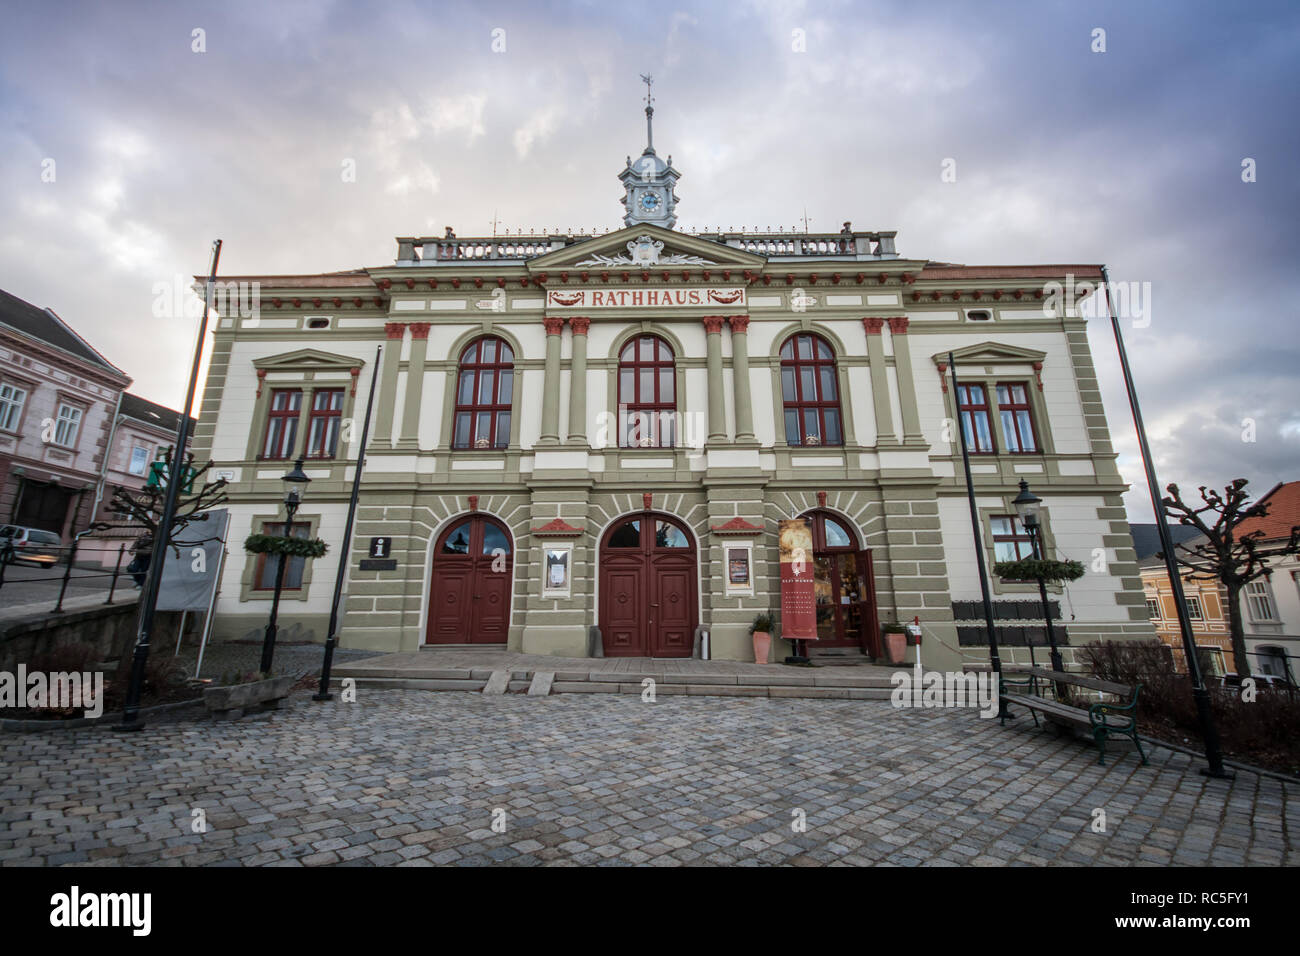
<point>308,359</point>
<point>990,353</point>
<point>651,247</point>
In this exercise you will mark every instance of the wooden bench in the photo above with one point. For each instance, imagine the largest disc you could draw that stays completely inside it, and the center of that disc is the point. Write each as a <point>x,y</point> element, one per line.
<point>1101,719</point>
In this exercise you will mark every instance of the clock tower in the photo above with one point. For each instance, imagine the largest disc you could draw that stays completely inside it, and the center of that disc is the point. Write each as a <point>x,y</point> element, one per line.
<point>648,182</point>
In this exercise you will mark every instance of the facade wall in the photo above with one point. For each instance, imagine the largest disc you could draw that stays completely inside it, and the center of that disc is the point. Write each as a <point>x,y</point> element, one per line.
<point>896,481</point>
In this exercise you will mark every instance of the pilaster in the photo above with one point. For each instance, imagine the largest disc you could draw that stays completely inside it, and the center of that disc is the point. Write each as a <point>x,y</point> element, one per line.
<point>551,383</point>
<point>388,381</point>
<point>879,382</point>
<point>740,378</point>
<point>717,413</point>
<point>578,381</point>
<point>414,385</point>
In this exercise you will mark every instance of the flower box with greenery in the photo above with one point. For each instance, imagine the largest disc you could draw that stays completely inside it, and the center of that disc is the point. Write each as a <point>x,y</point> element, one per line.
<point>1031,569</point>
<point>243,691</point>
<point>761,630</point>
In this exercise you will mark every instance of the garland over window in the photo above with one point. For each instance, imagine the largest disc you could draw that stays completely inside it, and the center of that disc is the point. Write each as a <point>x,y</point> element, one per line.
<point>290,547</point>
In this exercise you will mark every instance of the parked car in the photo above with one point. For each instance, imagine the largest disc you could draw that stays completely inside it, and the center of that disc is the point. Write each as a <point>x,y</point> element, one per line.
<point>32,545</point>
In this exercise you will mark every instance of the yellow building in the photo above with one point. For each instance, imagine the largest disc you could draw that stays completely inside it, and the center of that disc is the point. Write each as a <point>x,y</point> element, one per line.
<point>1207,603</point>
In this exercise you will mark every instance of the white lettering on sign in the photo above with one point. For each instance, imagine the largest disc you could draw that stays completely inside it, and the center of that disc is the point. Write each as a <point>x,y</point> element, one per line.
<point>656,298</point>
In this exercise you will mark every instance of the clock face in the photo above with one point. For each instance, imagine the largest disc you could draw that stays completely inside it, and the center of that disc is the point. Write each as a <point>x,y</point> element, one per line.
<point>650,201</point>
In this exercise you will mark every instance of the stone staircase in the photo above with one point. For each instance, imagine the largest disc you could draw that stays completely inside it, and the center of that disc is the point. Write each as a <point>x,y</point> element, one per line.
<point>770,681</point>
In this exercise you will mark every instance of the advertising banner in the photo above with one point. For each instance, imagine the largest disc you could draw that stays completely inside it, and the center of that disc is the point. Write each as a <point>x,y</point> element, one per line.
<point>190,571</point>
<point>798,603</point>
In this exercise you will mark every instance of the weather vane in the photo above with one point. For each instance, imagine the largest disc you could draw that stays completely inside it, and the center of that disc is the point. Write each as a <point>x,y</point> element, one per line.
<point>648,80</point>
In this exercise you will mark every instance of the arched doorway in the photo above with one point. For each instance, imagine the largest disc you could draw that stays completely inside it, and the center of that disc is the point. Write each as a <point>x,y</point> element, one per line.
<point>469,598</point>
<point>648,575</point>
<point>844,585</point>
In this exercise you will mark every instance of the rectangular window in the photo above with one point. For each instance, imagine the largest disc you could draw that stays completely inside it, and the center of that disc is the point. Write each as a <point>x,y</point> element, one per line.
<point>1017,418</point>
<point>67,426</point>
<point>976,429</point>
<point>323,427</point>
<point>1010,540</point>
<point>282,423</point>
<point>12,399</point>
<point>267,565</point>
<point>139,460</point>
<point>1259,601</point>
<point>1153,609</point>
<point>1195,611</point>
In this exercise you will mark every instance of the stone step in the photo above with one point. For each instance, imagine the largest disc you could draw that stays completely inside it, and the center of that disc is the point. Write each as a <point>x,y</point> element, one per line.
<point>839,691</point>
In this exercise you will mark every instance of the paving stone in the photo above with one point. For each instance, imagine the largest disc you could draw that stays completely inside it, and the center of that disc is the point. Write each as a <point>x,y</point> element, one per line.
<point>610,780</point>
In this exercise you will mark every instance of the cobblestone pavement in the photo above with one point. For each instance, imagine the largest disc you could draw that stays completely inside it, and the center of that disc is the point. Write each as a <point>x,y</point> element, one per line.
<point>416,778</point>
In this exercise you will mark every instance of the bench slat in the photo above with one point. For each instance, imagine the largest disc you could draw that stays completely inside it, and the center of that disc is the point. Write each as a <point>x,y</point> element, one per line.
<point>1079,680</point>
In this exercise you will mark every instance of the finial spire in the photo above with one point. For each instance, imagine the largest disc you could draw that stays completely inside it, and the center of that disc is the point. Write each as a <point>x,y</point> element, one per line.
<point>648,80</point>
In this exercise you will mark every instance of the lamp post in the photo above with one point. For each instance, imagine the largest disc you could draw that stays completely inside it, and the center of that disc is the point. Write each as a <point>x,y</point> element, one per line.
<point>1027,505</point>
<point>295,484</point>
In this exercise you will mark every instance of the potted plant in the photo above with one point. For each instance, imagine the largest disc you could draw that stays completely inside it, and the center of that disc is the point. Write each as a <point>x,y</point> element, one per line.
<point>895,642</point>
<point>761,631</point>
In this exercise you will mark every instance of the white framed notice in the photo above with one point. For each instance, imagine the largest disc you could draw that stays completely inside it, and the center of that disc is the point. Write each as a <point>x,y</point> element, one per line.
<point>557,570</point>
<point>739,570</point>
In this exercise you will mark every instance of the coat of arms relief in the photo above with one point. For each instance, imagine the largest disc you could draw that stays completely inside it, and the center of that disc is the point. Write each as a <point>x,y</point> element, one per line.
<point>645,251</point>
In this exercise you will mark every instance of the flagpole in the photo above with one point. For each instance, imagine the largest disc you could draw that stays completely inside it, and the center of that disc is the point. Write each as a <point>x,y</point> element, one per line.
<point>331,639</point>
<point>1201,697</point>
<point>175,478</point>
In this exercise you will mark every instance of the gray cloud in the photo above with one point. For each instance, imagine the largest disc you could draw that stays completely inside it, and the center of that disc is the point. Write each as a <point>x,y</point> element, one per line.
<point>1131,157</point>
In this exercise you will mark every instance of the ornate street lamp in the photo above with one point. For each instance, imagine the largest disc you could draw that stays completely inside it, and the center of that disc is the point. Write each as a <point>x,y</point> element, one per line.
<point>1028,505</point>
<point>295,485</point>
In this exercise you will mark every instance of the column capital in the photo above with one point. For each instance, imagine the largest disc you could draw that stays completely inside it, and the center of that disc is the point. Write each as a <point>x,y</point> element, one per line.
<point>394,330</point>
<point>713,323</point>
<point>898,324</point>
<point>420,330</point>
<point>554,324</point>
<point>873,324</point>
<point>739,324</point>
<point>579,324</point>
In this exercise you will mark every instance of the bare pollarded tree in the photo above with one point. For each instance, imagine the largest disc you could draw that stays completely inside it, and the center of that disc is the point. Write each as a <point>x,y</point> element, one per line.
<point>145,505</point>
<point>1224,554</point>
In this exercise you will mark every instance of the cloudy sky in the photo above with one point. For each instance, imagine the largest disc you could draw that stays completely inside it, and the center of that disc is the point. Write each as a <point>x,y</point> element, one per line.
<point>462,114</point>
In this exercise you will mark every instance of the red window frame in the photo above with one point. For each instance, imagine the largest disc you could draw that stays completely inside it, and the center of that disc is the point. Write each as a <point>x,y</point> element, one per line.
<point>294,570</point>
<point>281,424</point>
<point>1019,536</point>
<point>969,410</point>
<point>647,360</point>
<point>805,358</point>
<point>324,423</point>
<point>482,420</point>
<point>1015,439</point>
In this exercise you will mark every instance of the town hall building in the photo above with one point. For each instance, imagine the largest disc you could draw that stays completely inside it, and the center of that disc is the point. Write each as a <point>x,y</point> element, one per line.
<point>583,445</point>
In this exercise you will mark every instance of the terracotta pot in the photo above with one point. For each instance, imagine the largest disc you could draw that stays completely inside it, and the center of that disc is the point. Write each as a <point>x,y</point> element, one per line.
<point>895,646</point>
<point>762,644</point>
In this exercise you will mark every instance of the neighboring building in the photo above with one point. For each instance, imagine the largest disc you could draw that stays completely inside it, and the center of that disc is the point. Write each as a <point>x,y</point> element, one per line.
<point>604,431</point>
<point>1270,606</point>
<point>143,431</point>
<point>1207,601</point>
<point>58,398</point>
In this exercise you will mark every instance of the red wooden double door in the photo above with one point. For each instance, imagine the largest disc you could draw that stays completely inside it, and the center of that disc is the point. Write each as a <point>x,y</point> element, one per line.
<point>473,570</point>
<point>649,605</point>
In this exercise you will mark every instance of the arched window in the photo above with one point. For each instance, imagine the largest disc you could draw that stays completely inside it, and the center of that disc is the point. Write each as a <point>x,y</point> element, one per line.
<point>647,394</point>
<point>810,391</point>
<point>483,393</point>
